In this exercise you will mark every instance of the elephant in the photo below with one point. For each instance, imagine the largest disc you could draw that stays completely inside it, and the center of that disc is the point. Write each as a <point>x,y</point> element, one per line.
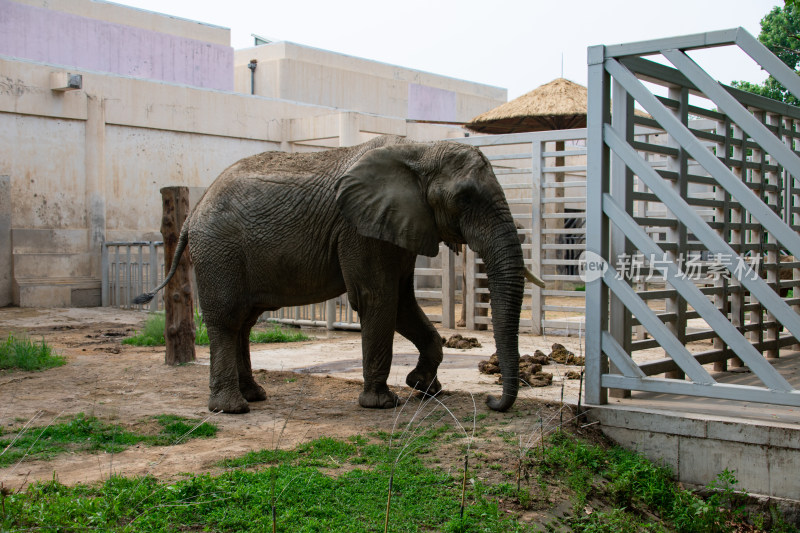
<point>283,229</point>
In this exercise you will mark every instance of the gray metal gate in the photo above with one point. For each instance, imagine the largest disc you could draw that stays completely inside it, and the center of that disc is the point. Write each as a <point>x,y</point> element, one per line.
<point>728,262</point>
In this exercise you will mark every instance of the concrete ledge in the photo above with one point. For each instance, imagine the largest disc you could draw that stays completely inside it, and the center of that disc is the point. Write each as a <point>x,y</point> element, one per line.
<point>696,447</point>
<point>53,265</point>
<point>57,292</point>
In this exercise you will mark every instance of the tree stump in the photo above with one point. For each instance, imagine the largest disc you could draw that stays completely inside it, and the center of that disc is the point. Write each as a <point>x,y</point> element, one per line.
<point>179,324</point>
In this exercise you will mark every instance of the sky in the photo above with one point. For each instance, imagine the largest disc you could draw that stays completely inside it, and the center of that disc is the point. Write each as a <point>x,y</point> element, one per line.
<point>515,44</point>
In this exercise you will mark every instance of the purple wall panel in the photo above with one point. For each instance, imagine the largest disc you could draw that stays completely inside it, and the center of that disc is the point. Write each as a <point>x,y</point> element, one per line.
<point>65,39</point>
<point>429,103</point>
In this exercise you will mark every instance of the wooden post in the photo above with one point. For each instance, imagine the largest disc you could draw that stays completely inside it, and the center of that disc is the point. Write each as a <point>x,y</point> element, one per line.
<point>179,325</point>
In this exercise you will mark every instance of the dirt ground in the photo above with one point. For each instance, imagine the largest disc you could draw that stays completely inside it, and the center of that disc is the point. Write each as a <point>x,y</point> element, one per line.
<point>313,384</point>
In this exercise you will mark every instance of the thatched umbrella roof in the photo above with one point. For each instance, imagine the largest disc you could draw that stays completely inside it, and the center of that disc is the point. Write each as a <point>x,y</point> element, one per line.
<point>558,105</point>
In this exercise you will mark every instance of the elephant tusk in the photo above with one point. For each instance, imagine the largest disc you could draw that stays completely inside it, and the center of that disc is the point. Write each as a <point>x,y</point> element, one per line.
<point>530,276</point>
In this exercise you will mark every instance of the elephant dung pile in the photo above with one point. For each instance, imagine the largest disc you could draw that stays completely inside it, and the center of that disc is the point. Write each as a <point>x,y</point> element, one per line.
<point>463,343</point>
<point>530,366</point>
<point>529,370</point>
<point>565,357</point>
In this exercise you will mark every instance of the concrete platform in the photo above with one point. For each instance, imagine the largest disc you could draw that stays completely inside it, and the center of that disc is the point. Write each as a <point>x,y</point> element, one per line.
<point>700,437</point>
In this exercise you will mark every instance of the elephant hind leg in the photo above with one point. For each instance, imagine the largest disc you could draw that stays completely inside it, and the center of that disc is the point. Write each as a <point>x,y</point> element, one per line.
<point>413,324</point>
<point>251,391</point>
<point>377,336</point>
<point>224,376</point>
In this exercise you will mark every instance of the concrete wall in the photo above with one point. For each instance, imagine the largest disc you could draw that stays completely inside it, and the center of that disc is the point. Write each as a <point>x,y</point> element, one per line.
<point>301,73</point>
<point>76,40</point>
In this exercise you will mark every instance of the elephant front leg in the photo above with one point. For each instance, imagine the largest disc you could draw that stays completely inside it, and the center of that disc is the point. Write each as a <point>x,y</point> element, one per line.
<point>224,373</point>
<point>413,324</point>
<point>377,336</point>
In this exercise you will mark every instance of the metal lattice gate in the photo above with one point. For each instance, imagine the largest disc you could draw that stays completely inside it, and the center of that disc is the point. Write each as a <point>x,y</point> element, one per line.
<point>723,258</point>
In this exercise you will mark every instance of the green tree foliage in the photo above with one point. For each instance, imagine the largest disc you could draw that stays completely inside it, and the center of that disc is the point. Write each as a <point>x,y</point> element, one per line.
<point>780,32</point>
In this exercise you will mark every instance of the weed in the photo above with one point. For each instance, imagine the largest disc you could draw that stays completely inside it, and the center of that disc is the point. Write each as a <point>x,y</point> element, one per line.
<point>23,354</point>
<point>87,433</point>
<point>153,333</point>
<point>200,331</point>
<point>277,334</point>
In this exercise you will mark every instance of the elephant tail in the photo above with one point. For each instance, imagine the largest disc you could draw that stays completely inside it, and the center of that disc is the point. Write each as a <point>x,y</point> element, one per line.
<point>183,240</point>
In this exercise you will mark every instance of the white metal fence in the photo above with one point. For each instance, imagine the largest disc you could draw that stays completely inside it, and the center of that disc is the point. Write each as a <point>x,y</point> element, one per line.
<point>720,259</point>
<point>129,269</point>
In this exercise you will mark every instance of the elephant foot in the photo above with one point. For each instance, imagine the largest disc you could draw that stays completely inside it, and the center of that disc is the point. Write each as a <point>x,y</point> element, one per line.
<point>252,391</point>
<point>461,324</point>
<point>384,399</point>
<point>424,382</point>
<point>228,402</point>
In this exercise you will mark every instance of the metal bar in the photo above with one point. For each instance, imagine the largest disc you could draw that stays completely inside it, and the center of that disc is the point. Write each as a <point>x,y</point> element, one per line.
<point>598,115</point>
<point>696,299</point>
<point>684,42</point>
<point>620,326</point>
<point>716,390</point>
<point>153,274</point>
<point>519,138</point>
<point>469,301</point>
<point>448,287</point>
<point>104,288</point>
<point>620,357</point>
<point>709,161</point>
<point>117,290</point>
<point>140,273</point>
<point>706,234</point>
<point>128,279</point>
<point>728,104</point>
<point>657,329</point>
<point>761,54</point>
<point>537,300</point>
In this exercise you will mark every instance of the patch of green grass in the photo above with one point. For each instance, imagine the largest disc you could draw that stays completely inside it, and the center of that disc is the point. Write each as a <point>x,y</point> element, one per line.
<point>87,433</point>
<point>423,499</point>
<point>277,334</point>
<point>153,333</point>
<point>580,288</point>
<point>21,353</point>
<point>201,331</point>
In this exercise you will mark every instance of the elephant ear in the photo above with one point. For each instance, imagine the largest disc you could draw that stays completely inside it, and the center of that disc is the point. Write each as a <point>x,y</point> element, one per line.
<point>382,196</point>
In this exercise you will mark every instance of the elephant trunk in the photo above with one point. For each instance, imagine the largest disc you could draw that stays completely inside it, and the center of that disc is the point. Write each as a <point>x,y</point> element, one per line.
<point>502,254</point>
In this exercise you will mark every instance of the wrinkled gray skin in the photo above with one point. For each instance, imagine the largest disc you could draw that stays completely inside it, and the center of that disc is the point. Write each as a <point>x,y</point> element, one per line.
<point>278,229</point>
